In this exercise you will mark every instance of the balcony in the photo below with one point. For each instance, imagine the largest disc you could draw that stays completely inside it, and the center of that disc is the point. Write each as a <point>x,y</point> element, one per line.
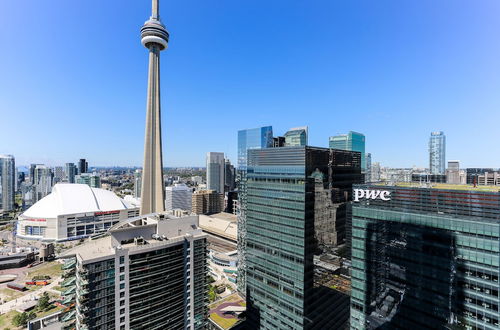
<point>69,264</point>
<point>69,291</point>
<point>68,281</point>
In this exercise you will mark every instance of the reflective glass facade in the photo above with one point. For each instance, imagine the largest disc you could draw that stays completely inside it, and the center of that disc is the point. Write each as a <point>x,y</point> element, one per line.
<point>426,258</point>
<point>352,141</point>
<point>254,138</point>
<point>437,153</point>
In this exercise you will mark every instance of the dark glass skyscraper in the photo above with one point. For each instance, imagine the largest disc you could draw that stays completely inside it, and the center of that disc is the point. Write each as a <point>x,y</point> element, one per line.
<point>83,166</point>
<point>425,258</point>
<point>292,194</point>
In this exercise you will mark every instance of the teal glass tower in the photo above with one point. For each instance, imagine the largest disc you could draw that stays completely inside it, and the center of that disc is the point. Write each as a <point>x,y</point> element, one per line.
<point>284,192</point>
<point>352,141</point>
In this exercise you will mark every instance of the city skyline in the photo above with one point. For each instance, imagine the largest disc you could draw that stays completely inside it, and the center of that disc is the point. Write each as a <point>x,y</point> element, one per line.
<point>413,78</point>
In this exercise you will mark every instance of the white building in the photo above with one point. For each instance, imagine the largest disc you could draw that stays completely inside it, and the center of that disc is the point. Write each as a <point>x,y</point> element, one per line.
<point>73,211</point>
<point>215,171</point>
<point>43,177</point>
<point>178,196</point>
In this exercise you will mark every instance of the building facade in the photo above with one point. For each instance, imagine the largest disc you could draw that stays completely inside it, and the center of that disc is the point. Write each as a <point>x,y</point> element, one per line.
<point>437,153</point>
<point>296,136</point>
<point>248,139</point>
<point>425,258</point>
<point>352,141</point>
<point>152,275</point>
<point>43,177</point>
<point>293,195</point>
<point>207,202</point>
<point>70,172</point>
<point>453,172</point>
<point>7,182</point>
<point>178,196</point>
<point>83,166</point>
<point>215,171</point>
<point>91,179</point>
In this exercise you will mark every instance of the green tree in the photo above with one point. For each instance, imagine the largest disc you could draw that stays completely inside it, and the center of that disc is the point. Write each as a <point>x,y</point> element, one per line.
<point>20,320</point>
<point>43,302</point>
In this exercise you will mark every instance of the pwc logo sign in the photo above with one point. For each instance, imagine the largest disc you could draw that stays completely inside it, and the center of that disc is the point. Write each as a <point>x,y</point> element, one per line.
<point>372,194</point>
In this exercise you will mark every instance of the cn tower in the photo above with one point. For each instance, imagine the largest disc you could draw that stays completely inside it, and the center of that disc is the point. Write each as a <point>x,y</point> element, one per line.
<point>154,37</point>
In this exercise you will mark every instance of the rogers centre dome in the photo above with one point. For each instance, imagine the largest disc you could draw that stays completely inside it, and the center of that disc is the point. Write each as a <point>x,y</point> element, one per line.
<point>73,211</point>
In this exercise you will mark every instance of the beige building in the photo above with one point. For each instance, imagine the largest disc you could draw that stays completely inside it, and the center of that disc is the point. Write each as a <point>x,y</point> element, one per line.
<point>207,202</point>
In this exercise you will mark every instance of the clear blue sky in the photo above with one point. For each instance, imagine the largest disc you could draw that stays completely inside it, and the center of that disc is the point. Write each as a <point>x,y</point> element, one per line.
<point>73,77</point>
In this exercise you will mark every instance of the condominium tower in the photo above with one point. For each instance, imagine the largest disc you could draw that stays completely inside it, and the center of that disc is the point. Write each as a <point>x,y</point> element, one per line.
<point>70,172</point>
<point>7,182</point>
<point>437,153</point>
<point>149,272</point>
<point>178,196</point>
<point>215,171</point>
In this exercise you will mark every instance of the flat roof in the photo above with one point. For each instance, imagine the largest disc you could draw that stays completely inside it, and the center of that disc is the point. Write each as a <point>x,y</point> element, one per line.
<point>444,186</point>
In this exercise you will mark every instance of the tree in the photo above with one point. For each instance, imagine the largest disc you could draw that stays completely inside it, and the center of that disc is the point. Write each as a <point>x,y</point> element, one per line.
<point>43,302</point>
<point>20,320</point>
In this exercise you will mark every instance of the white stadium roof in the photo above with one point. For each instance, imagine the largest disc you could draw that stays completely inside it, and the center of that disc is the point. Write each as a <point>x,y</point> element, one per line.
<point>71,198</point>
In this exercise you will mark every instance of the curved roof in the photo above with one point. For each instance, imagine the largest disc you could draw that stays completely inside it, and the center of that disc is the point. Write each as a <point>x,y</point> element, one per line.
<point>71,198</point>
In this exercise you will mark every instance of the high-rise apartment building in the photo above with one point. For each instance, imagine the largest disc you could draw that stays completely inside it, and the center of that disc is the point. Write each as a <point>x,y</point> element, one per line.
<point>70,172</point>
<point>178,196</point>
<point>248,139</point>
<point>32,172</point>
<point>43,178</point>
<point>229,176</point>
<point>368,172</point>
<point>7,182</point>
<point>137,183</point>
<point>152,275</point>
<point>437,153</point>
<point>91,179</point>
<point>296,205</point>
<point>215,171</point>
<point>58,174</point>
<point>296,136</point>
<point>83,166</point>
<point>425,258</point>
<point>352,141</point>
<point>207,202</point>
<point>453,172</point>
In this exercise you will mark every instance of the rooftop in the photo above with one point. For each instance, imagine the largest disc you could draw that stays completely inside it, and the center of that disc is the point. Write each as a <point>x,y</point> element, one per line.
<point>444,186</point>
<point>72,198</point>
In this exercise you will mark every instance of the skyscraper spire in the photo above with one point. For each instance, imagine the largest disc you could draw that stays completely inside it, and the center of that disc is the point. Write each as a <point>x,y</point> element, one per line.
<point>154,37</point>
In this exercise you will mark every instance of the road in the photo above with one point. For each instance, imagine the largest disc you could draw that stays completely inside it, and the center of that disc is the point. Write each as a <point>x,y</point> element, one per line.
<point>13,304</point>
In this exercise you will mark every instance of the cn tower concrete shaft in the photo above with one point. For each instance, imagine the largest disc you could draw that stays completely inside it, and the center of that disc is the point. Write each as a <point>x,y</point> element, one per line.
<point>154,36</point>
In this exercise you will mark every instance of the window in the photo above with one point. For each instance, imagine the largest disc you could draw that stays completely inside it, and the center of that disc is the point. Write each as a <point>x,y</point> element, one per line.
<point>122,260</point>
<point>122,311</point>
<point>122,294</point>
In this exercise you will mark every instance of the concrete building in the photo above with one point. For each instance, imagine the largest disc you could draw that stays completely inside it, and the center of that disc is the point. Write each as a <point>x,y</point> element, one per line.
<point>215,171</point>
<point>91,179</point>
<point>149,272</point>
<point>296,136</point>
<point>58,174</point>
<point>453,172</point>
<point>207,202</point>
<point>7,182</point>
<point>296,207</point>
<point>437,153</point>
<point>137,183</point>
<point>70,172</point>
<point>154,37</point>
<point>368,173</point>
<point>178,196</point>
<point>222,225</point>
<point>73,211</point>
<point>352,141</point>
<point>489,179</point>
<point>425,258</point>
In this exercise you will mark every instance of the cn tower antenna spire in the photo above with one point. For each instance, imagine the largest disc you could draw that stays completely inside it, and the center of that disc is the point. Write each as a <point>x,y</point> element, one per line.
<point>154,37</point>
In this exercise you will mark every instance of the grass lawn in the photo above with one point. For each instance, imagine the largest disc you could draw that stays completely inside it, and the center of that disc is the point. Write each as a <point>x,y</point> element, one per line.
<point>53,269</point>
<point>224,323</point>
<point>9,294</point>
<point>51,310</point>
<point>6,320</point>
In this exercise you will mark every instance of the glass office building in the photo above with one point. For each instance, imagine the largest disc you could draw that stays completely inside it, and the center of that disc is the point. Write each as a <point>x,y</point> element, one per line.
<point>352,141</point>
<point>248,139</point>
<point>7,182</point>
<point>296,136</point>
<point>425,258</point>
<point>290,192</point>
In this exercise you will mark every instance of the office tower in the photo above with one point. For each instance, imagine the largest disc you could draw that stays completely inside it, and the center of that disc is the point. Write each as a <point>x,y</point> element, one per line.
<point>425,258</point>
<point>437,153</point>
<point>91,179</point>
<point>294,195</point>
<point>215,171</point>
<point>352,141</point>
<point>149,272</point>
<point>21,176</point>
<point>32,172</point>
<point>7,182</point>
<point>296,136</point>
<point>253,138</point>
<point>137,183</point>
<point>154,37</point>
<point>178,197</point>
<point>207,202</point>
<point>43,182</point>
<point>278,141</point>
<point>229,176</point>
<point>70,172</point>
<point>368,172</point>
<point>453,172</point>
<point>83,166</point>
<point>58,174</point>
